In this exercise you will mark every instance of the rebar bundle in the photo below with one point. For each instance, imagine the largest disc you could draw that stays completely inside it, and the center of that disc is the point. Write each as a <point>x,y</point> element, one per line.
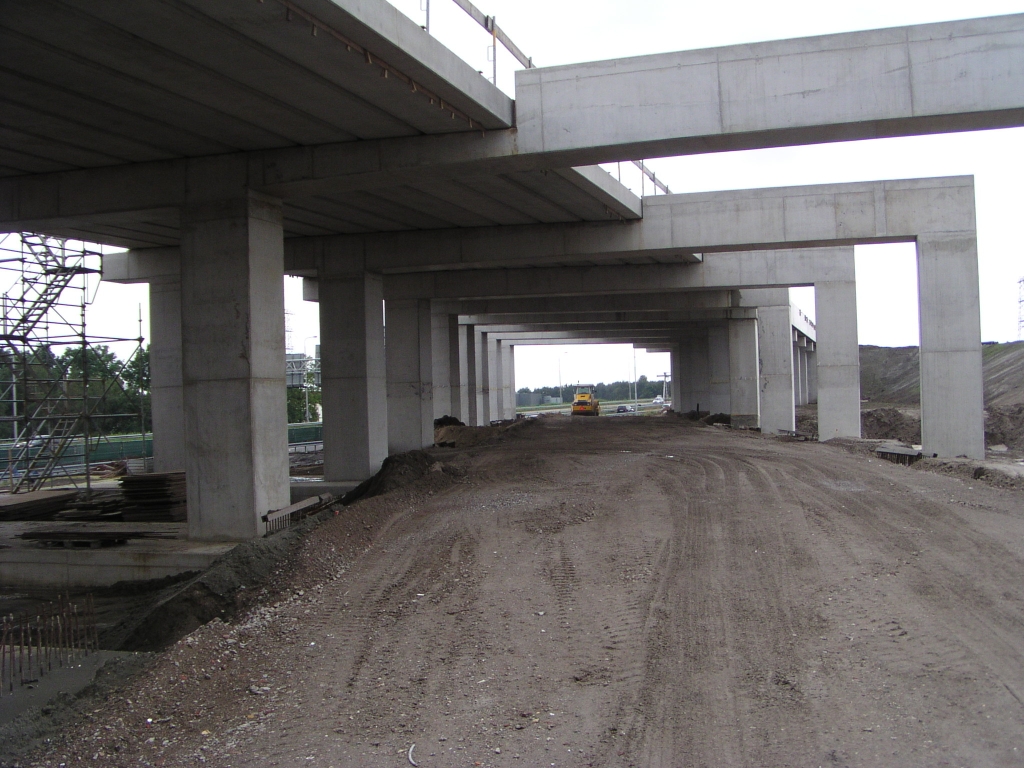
<point>32,646</point>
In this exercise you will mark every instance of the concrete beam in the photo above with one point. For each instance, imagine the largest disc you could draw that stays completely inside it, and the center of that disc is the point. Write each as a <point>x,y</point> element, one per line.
<point>675,228</point>
<point>952,76</point>
<point>750,269</point>
<point>624,302</point>
<point>670,326</point>
<point>929,78</point>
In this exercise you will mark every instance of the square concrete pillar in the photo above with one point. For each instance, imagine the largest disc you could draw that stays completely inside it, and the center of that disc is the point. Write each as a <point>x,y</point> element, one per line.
<point>838,359</point>
<point>720,383</point>
<point>474,375</point>
<point>498,382</point>
<point>952,392</point>
<point>694,375</point>
<point>674,367</point>
<point>408,336</point>
<point>488,379</point>
<point>805,374</point>
<point>775,351</point>
<point>440,347</point>
<point>232,308</point>
<point>508,390</point>
<point>353,374</point>
<point>700,369</point>
<point>743,367</point>
<point>812,373</point>
<point>799,374</point>
<point>458,371</point>
<point>165,389</point>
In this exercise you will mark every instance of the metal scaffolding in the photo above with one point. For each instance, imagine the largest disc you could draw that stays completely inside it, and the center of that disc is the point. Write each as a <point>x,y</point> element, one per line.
<point>56,380</point>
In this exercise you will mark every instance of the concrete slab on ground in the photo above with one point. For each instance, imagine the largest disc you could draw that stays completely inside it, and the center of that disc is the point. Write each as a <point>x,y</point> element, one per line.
<point>26,563</point>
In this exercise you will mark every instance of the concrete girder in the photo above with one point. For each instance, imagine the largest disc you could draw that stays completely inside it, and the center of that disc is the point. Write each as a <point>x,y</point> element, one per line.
<point>928,78</point>
<point>951,76</point>
<point>747,269</point>
<point>675,228</point>
<point>612,325</point>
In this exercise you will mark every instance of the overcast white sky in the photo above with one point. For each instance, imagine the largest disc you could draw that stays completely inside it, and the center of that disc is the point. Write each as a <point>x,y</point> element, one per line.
<point>562,32</point>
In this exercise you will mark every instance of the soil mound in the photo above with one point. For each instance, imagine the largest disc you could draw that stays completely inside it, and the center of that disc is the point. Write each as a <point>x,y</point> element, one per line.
<point>461,436</point>
<point>1005,425</point>
<point>448,421</point>
<point>890,424</point>
<point>396,471</point>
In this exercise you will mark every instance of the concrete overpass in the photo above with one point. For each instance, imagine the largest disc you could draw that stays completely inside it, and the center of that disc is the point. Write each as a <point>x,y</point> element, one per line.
<point>228,145</point>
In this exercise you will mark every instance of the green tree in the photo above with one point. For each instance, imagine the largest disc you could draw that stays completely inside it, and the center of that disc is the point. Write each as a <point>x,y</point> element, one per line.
<point>297,400</point>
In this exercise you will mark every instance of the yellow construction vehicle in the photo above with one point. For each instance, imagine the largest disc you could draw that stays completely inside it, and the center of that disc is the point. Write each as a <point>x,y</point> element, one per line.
<point>585,403</point>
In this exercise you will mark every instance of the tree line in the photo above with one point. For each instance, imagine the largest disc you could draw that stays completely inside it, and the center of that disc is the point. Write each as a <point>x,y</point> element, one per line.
<point>617,390</point>
<point>93,380</point>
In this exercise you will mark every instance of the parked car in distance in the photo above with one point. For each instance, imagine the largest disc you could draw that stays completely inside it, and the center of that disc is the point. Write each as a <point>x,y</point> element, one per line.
<point>658,400</point>
<point>624,409</point>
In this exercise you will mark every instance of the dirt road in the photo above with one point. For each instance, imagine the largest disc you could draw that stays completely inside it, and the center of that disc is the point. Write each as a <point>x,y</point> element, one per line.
<point>617,592</point>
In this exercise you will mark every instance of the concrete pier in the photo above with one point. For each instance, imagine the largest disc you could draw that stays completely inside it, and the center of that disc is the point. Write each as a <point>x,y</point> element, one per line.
<point>743,381</point>
<point>474,374</point>
<point>508,385</point>
<point>458,370</point>
<point>353,375</point>
<point>409,354</point>
<point>775,346</point>
<point>232,306</point>
<point>838,358</point>
<point>720,384</point>
<point>952,396</point>
<point>165,389</point>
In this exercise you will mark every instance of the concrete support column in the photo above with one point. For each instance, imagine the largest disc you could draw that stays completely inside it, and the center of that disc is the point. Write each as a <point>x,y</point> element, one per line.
<point>475,357</point>
<point>458,368</point>
<point>799,369</point>
<point>720,383</point>
<point>805,374</point>
<point>408,335</point>
<point>743,366</point>
<point>692,376</point>
<point>675,370</point>
<point>491,380</point>
<point>775,350</point>
<point>440,347</point>
<point>508,389</point>
<point>165,389</point>
<point>232,307</point>
<point>353,375</point>
<point>952,395</point>
<point>838,357</point>
<point>486,353</point>
<point>812,373</point>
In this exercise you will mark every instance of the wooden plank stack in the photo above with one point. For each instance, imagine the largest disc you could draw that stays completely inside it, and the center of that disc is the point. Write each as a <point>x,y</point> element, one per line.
<point>156,497</point>
<point>37,505</point>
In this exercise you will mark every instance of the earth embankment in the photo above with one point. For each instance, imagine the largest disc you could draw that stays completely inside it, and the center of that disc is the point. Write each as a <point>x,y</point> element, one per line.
<point>614,592</point>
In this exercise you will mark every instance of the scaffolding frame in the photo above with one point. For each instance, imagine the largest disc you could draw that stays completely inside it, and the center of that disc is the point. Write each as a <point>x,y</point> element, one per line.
<point>54,381</point>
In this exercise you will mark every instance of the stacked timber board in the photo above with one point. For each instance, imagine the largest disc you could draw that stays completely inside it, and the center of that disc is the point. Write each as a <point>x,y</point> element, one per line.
<point>156,497</point>
<point>36,505</point>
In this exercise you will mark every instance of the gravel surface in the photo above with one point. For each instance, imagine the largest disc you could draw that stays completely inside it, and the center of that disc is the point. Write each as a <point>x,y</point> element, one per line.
<point>613,592</point>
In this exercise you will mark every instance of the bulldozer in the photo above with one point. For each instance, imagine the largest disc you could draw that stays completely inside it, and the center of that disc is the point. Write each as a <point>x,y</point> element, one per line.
<point>584,402</point>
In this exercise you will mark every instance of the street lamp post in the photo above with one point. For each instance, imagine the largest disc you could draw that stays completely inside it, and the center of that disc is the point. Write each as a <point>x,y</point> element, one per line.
<point>305,374</point>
